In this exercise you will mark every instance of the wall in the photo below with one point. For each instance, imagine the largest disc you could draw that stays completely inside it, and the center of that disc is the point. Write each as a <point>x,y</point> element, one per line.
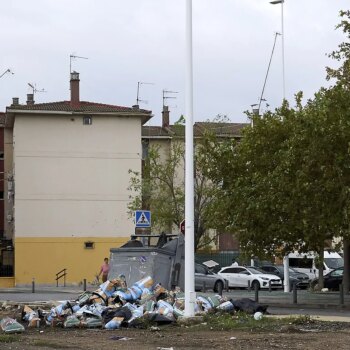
<point>71,187</point>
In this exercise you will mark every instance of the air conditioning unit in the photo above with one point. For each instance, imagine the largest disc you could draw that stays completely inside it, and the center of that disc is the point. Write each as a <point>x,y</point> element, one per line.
<point>10,185</point>
<point>9,217</point>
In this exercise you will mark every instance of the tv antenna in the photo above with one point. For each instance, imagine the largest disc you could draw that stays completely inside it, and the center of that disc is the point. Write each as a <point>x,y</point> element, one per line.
<point>138,100</point>
<point>8,70</point>
<point>166,95</point>
<point>34,89</point>
<point>73,57</point>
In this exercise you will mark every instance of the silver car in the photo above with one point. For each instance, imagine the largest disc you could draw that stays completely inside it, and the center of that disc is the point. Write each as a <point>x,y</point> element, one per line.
<point>206,279</point>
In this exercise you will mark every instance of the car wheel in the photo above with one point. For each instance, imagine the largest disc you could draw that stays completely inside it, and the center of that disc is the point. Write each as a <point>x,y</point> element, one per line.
<point>255,284</point>
<point>219,287</point>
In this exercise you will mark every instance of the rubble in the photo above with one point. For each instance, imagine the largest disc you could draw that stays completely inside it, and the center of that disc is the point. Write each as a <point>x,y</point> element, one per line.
<point>114,305</point>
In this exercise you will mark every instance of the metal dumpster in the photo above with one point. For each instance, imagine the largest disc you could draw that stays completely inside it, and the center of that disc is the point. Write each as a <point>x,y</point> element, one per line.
<point>164,263</point>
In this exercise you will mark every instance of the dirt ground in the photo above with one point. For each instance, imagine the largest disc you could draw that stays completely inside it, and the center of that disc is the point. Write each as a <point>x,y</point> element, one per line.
<point>308,335</point>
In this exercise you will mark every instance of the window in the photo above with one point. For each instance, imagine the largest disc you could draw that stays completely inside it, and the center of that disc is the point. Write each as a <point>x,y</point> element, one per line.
<point>87,120</point>
<point>89,245</point>
<point>201,269</point>
<point>1,195</point>
<point>1,154</point>
<point>145,148</point>
<point>304,263</point>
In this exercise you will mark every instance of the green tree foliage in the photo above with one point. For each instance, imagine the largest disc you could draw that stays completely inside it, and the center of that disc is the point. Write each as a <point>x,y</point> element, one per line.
<point>286,185</point>
<point>161,189</point>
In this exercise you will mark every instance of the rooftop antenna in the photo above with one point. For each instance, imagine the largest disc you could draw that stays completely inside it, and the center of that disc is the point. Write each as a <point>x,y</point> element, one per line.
<point>8,70</point>
<point>72,57</point>
<point>138,100</point>
<point>165,95</point>
<point>34,89</point>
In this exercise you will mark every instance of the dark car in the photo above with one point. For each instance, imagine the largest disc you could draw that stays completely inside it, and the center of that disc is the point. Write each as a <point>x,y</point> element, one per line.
<point>332,280</point>
<point>301,280</point>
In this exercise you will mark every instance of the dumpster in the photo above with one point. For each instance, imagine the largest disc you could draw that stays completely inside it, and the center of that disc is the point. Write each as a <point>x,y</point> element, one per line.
<point>164,261</point>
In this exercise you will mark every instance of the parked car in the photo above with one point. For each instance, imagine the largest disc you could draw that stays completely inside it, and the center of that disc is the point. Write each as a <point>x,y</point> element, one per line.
<point>300,279</point>
<point>238,276</point>
<point>203,276</point>
<point>332,280</point>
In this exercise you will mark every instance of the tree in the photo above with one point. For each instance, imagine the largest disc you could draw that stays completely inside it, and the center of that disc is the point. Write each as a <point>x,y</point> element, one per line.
<point>286,185</point>
<point>160,188</point>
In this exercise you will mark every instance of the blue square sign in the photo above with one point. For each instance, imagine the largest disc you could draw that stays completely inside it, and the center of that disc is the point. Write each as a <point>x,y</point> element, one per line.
<point>142,218</point>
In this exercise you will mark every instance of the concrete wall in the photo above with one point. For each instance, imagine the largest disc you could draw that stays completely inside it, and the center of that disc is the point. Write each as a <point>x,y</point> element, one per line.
<point>71,187</point>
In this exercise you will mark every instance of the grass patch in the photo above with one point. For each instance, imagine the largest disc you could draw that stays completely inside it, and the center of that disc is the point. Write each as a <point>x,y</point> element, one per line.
<point>48,344</point>
<point>9,338</point>
<point>226,321</point>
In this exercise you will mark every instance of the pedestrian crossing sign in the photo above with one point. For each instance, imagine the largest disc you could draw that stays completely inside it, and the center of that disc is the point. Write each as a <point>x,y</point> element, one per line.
<point>142,218</point>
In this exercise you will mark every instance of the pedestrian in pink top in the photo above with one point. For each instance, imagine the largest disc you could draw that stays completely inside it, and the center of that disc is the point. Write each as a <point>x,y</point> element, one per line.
<point>104,270</point>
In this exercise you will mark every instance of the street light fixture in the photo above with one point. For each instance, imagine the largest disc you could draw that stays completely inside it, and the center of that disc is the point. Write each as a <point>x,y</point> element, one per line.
<point>275,2</point>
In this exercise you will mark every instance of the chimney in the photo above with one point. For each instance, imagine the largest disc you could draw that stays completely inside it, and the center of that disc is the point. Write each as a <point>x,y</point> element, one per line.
<point>15,101</point>
<point>30,99</point>
<point>165,117</point>
<point>74,89</point>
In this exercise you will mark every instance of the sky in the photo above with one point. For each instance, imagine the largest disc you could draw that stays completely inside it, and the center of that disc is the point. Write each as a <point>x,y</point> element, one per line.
<point>133,41</point>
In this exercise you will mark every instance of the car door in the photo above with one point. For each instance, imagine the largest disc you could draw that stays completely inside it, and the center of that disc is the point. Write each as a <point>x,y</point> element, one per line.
<point>202,277</point>
<point>244,276</point>
<point>333,279</point>
<point>230,274</point>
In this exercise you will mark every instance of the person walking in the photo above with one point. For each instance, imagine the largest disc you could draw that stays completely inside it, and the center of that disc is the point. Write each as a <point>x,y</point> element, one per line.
<point>104,270</point>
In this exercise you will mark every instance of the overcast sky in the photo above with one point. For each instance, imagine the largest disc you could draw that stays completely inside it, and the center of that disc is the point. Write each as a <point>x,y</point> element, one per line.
<point>144,40</point>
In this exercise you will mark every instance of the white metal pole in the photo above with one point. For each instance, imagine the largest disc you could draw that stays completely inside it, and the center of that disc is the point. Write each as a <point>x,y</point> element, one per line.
<point>190,295</point>
<point>286,274</point>
<point>283,72</point>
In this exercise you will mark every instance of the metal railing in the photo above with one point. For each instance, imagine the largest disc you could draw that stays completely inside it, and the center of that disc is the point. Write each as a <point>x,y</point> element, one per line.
<point>61,274</point>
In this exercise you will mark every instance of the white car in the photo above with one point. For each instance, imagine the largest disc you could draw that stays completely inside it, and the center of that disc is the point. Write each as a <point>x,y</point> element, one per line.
<point>238,276</point>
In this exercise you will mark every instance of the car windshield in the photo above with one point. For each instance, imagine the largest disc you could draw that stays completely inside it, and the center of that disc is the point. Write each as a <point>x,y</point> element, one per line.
<point>334,263</point>
<point>255,271</point>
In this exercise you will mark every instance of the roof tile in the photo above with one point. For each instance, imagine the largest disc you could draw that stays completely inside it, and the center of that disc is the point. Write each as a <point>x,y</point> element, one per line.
<point>83,106</point>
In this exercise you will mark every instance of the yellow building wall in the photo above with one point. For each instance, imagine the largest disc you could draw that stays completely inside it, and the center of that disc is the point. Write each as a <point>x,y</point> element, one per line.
<point>42,257</point>
<point>7,282</point>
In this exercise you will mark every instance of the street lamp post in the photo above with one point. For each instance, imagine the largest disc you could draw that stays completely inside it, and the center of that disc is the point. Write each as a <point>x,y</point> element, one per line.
<point>285,259</point>
<point>275,2</point>
<point>190,294</point>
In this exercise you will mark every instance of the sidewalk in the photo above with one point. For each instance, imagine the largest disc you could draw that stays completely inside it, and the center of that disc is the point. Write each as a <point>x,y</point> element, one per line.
<point>305,299</point>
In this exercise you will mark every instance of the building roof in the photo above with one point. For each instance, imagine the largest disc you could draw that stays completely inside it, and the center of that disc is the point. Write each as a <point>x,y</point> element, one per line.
<point>199,129</point>
<point>83,106</point>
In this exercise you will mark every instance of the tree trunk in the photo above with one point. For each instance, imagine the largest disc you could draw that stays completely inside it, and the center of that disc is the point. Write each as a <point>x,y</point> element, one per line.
<point>346,274</point>
<point>320,269</point>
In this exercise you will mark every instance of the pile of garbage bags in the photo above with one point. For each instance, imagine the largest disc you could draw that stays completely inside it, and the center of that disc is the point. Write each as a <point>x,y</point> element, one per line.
<point>114,305</point>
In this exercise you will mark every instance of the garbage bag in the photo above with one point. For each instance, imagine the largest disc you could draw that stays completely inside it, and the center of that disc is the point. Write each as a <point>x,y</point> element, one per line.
<point>9,325</point>
<point>71,321</point>
<point>204,303</point>
<point>226,306</point>
<point>114,323</point>
<point>109,313</point>
<point>83,298</point>
<point>164,308</point>
<point>160,319</point>
<point>91,322</point>
<point>248,305</point>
